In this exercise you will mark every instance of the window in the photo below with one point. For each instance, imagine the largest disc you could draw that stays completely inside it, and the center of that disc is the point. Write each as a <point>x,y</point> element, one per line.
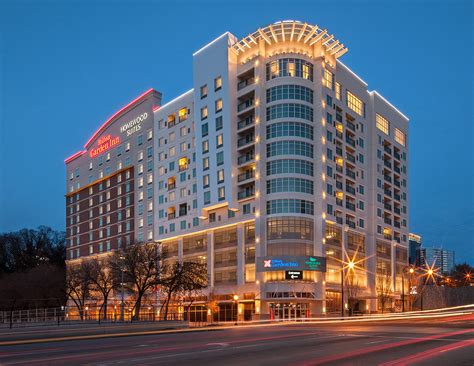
<point>290,110</point>
<point>355,104</point>
<point>220,176</point>
<point>290,185</point>
<point>205,146</point>
<point>149,134</point>
<point>204,130</point>
<point>328,79</point>
<point>207,197</point>
<point>338,91</point>
<point>204,113</point>
<point>290,206</point>
<point>205,163</point>
<point>290,148</point>
<point>217,83</point>
<point>399,137</point>
<point>218,105</point>
<point>205,181</point>
<point>290,129</point>
<point>289,67</point>
<point>382,124</point>
<point>246,209</point>
<point>219,140</point>
<point>221,193</point>
<point>290,228</point>
<point>204,91</point>
<point>289,92</point>
<point>219,123</point>
<point>183,146</point>
<point>288,166</point>
<point>183,163</point>
<point>183,131</point>
<point>183,114</point>
<point>220,158</point>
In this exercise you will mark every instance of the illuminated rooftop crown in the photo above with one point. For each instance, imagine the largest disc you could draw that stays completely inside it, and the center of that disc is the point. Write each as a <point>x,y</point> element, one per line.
<point>294,32</point>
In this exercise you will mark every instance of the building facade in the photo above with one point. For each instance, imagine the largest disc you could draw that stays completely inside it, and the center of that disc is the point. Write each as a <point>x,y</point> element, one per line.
<point>414,244</point>
<point>441,260</point>
<point>276,169</point>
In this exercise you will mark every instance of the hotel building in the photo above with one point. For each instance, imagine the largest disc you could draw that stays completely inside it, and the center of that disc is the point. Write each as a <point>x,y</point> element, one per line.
<point>277,168</point>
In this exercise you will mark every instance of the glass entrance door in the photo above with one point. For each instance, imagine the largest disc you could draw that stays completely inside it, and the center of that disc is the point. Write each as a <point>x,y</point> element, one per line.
<point>288,311</point>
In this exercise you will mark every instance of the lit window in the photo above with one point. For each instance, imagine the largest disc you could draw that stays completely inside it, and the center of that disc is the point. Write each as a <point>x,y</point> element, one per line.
<point>217,83</point>
<point>338,91</point>
<point>219,140</point>
<point>204,112</point>
<point>382,124</point>
<point>328,79</point>
<point>183,114</point>
<point>183,163</point>
<point>218,105</point>
<point>172,151</point>
<point>203,91</point>
<point>205,146</point>
<point>183,131</point>
<point>205,163</point>
<point>355,103</point>
<point>205,181</point>
<point>274,69</point>
<point>291,69</point>
<point>184,146</point>
<point>399,137</point>
<point>220,176</point>
<point>221,193</point>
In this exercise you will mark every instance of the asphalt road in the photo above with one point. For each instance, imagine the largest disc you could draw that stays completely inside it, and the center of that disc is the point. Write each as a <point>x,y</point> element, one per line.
<point>439,341</point>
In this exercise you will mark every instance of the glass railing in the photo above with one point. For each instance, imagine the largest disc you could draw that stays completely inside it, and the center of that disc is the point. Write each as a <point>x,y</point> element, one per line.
<point>245,140</point>
<point>350,189</point>
<point>247,175</point>
<point>244,105</point>
<point>351,126</point>
<point>245,194</point>
<point>351,174</point>
<point>242,84</point>
<point>245,122</point>
<point>350,206</point>
<point>244,159</point>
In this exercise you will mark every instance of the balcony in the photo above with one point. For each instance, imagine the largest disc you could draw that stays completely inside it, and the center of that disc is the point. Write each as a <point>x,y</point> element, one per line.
<point>387,178</point>
<point>339,135</point>
<point>387,221</point>
<point>350,206</point>
<point>387,164</point>
<point>339,220</point>
<point>397,169</point>
<point>339,169</point>
<point>387,150</point>
<point>396,182</point>
<point>350,141</point>
<point>397,224</point>
<point>387,192</point>
<point>245,194</point>
<point>396,196</point>
<point>351,126</point>
<point>171,186</point>
<point>397,210</point>
<point>338,184</point>
<point>396,155</point>
<point>351,223</point>
<point>245,159</point>
<point>387,206</point>
<point>245,140</point>
<point>338,202</point>
<point>338,151</point>
<point>249,174</point>
<point>244,105</point>
<point>171,215</point>
<point>242,84</point>
<point>351,158</point>
<point>338,117</point>
<point>249,121</point>
<point>350,174</point>
<point>350,190</point>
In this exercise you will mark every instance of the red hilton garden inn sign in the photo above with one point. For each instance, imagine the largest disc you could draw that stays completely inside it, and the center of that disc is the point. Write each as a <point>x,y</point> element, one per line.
<point>104,144</point>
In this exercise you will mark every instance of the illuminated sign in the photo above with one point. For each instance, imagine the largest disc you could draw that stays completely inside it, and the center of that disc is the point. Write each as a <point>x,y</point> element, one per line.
<point>289,263</point>
<point>104,144</point>
<point>293,275</point>
<point>134,125</point>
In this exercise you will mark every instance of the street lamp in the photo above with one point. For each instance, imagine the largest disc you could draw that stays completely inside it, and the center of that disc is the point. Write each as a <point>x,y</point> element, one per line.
<point>411,271</point>
<point>236,304</point>
<point>351,266</point>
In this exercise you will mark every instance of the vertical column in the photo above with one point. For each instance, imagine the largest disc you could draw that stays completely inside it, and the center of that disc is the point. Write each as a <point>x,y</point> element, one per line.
<point>180,250</point>
<point>240,255</point>
<point>210,259</point>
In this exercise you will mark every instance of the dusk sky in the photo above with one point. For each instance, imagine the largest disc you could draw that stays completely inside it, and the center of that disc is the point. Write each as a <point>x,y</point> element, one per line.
<point>66,66</point>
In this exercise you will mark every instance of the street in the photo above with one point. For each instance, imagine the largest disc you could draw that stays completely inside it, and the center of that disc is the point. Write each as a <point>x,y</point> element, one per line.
<point>439,341</point>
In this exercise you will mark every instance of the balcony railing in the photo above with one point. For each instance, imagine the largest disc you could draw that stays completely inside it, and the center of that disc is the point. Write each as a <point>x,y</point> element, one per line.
<point>350,141</point>
<point>387,206</point>
<point>387,221</point>
<point>171,186</point>
<point>396,210</point>
<point>338,202</point>
<point>350,189</point>
<point>351,158</point>
<point>396,182</point>
<point>245,122</point>
<point>338,184</point>
<point>387,178</point>
<point>244,105</point>
<point>350,206</point>
<point>351,174</point>
<point>242,84</point>
<point>338,151</point>
<point>397,169</point>
<point>245,140</point>
<point>351,126</point>
<point>396,196</point>
<point>244,159</point>
<point>396,155</point>
<point>387,164</point>
<point>397,224</point>
<point>387,192</point>
<point>387,149</point>
<point>171,215</point>
<point>351,224</point>
<point>245,194</point>
<point>339,220</point>
<point>247,175</point>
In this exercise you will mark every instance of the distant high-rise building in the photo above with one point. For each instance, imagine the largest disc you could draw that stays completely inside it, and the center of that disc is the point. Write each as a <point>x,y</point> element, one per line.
<point>436,258</point>
<point>414,243</point>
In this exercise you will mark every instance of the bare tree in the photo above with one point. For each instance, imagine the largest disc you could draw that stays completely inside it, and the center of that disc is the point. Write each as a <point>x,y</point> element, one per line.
<point>78,285</point>
<point>185,279</point>
<point>352,289</point>
<point>384,288</point>
<point>101,279</point>
<point>140,264</point>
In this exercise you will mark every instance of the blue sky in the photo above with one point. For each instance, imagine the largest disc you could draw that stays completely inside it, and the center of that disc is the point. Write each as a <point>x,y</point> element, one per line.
<point>65,66</point>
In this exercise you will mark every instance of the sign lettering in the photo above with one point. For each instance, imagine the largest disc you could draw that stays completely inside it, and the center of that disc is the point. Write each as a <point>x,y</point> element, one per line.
<point>134,125</point>
<point>103,144</point>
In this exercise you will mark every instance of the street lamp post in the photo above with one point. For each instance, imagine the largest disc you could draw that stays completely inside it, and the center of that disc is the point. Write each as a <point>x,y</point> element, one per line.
<point>351,266</point>
<point>411,270</point>
<point>236,304</point>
